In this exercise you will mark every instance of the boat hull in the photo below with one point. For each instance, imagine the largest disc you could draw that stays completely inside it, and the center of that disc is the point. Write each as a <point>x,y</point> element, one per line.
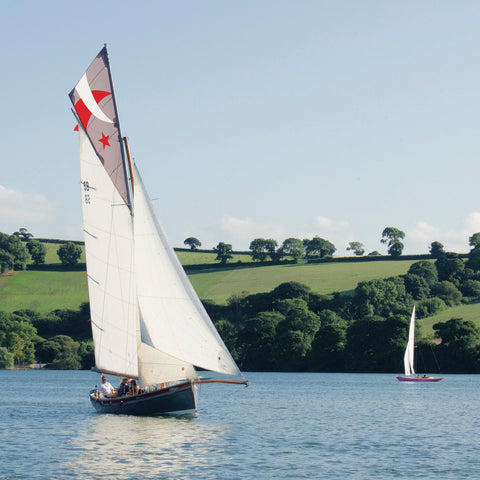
<point>419,379</point>
<point>178,399</point>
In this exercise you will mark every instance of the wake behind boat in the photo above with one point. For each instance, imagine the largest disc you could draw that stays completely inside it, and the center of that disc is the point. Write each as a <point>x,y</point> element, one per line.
<point>148,323</point>
<point>408,359</point>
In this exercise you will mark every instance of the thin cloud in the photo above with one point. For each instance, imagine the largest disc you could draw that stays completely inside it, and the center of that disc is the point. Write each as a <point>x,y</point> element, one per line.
<point>454,240</point>
<point>327,225</point>
<point>244,230</point>
<point>23,208</point>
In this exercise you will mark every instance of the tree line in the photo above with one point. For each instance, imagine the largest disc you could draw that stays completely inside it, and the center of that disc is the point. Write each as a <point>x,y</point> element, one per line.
<point>17,249</point>
<point>61,338</point>
<point>263,249</point>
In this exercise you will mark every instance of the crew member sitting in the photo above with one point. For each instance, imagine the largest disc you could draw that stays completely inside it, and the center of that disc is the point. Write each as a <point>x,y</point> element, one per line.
<point>134,388</point>
<point>106,388</point>
<point>123,388</point>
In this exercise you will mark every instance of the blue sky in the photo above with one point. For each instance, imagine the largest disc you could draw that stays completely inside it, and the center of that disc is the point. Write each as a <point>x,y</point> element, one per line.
<point>249,119</point>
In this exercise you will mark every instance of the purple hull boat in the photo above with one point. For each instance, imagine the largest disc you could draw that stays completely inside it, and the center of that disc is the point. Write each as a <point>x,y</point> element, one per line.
<point>422,378</point>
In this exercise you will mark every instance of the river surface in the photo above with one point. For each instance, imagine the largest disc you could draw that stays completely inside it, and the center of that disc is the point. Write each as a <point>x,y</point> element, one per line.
<point>283,426</point>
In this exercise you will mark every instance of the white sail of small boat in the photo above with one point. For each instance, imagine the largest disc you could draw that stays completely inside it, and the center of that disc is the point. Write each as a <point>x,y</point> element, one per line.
<point>147,321</point>
<point>409,358</point>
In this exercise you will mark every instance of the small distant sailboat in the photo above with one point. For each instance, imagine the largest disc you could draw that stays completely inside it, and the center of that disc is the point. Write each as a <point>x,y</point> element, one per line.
<point>408,359</point>
<point>148,324</point>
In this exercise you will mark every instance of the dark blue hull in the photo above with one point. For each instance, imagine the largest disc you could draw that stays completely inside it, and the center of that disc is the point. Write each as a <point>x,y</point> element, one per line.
<point>177,399</point>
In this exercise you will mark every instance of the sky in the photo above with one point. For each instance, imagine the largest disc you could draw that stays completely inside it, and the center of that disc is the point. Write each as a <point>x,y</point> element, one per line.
<point>270,119</point>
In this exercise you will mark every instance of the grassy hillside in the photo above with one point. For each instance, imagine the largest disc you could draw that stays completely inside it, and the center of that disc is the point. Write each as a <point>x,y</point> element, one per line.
<point>324,278</point>
<point>45,291</point>
<point>42,291</point>
<point>466,312</point>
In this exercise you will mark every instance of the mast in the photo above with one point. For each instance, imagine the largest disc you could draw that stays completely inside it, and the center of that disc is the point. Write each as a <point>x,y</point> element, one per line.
<point>129,158</point>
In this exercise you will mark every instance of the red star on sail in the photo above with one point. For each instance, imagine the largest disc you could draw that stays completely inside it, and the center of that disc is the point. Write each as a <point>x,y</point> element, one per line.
<point>104,140</point>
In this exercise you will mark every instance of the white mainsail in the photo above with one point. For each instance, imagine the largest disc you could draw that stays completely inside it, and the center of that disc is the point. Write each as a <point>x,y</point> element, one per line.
<point>175,320</point>
<point>108,227</point>
<point>408,359</point>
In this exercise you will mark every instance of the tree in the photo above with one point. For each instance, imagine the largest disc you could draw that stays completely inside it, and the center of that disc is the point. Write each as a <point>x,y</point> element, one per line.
<point>473,261</point>
<point>448,292</point>
<point>258,247</point>
<point>416,286</point>
<point>23,234</point>
<point>320,246</point>
<point>474,240</point>
<point>295,334</point>
<point>86,353</point>
<point>223,251</point>
<point>459,348</point>
<point>426,270</point>
<point>192,242</point>
<point>328,346</point>
<point>379,297</point>
<point>293,247</point>
<point>37,251</point>
<point>357,248</point>
<point>392,237</point>
<point>430,306</point>
<point>271,249</point>
<point>470,288</point>
<point>436,250</point>
<point>6,261</point>
<point>290,290</point>
<point>450,267</point>
<point>13,253</point>
<point>17,335</point>
<point>68,357</point>
<point>69,253</point>
<point>257,341</point>
<point>6,358</point>
<point>375,344</point>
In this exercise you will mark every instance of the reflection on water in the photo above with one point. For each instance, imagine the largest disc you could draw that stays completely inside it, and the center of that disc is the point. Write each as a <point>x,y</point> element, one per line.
<point>142,447</point>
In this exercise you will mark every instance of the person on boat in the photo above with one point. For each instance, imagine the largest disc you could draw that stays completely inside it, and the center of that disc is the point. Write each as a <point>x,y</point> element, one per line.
<point>124,387</point>
<point>134,388</point>
<point>106,388</point>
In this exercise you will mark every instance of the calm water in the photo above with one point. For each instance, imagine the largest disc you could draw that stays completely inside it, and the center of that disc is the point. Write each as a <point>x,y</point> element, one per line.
<point>325,426</point>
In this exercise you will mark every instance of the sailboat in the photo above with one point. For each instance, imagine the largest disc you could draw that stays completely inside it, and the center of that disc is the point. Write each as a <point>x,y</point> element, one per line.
<point>408,359</point>
<point>148,324</point>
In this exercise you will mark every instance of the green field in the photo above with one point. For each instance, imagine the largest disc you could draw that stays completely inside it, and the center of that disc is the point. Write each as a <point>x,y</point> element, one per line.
<point>466,312</point>
<point>45,291</point>
<point>42,291</point>
<point>323,278</point>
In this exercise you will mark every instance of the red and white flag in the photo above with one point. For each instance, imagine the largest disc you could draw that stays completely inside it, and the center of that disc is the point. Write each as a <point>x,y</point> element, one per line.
<point>94,103</point>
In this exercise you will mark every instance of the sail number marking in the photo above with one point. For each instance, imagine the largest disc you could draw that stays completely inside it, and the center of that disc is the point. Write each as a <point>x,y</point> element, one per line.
<point>86,191</point>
